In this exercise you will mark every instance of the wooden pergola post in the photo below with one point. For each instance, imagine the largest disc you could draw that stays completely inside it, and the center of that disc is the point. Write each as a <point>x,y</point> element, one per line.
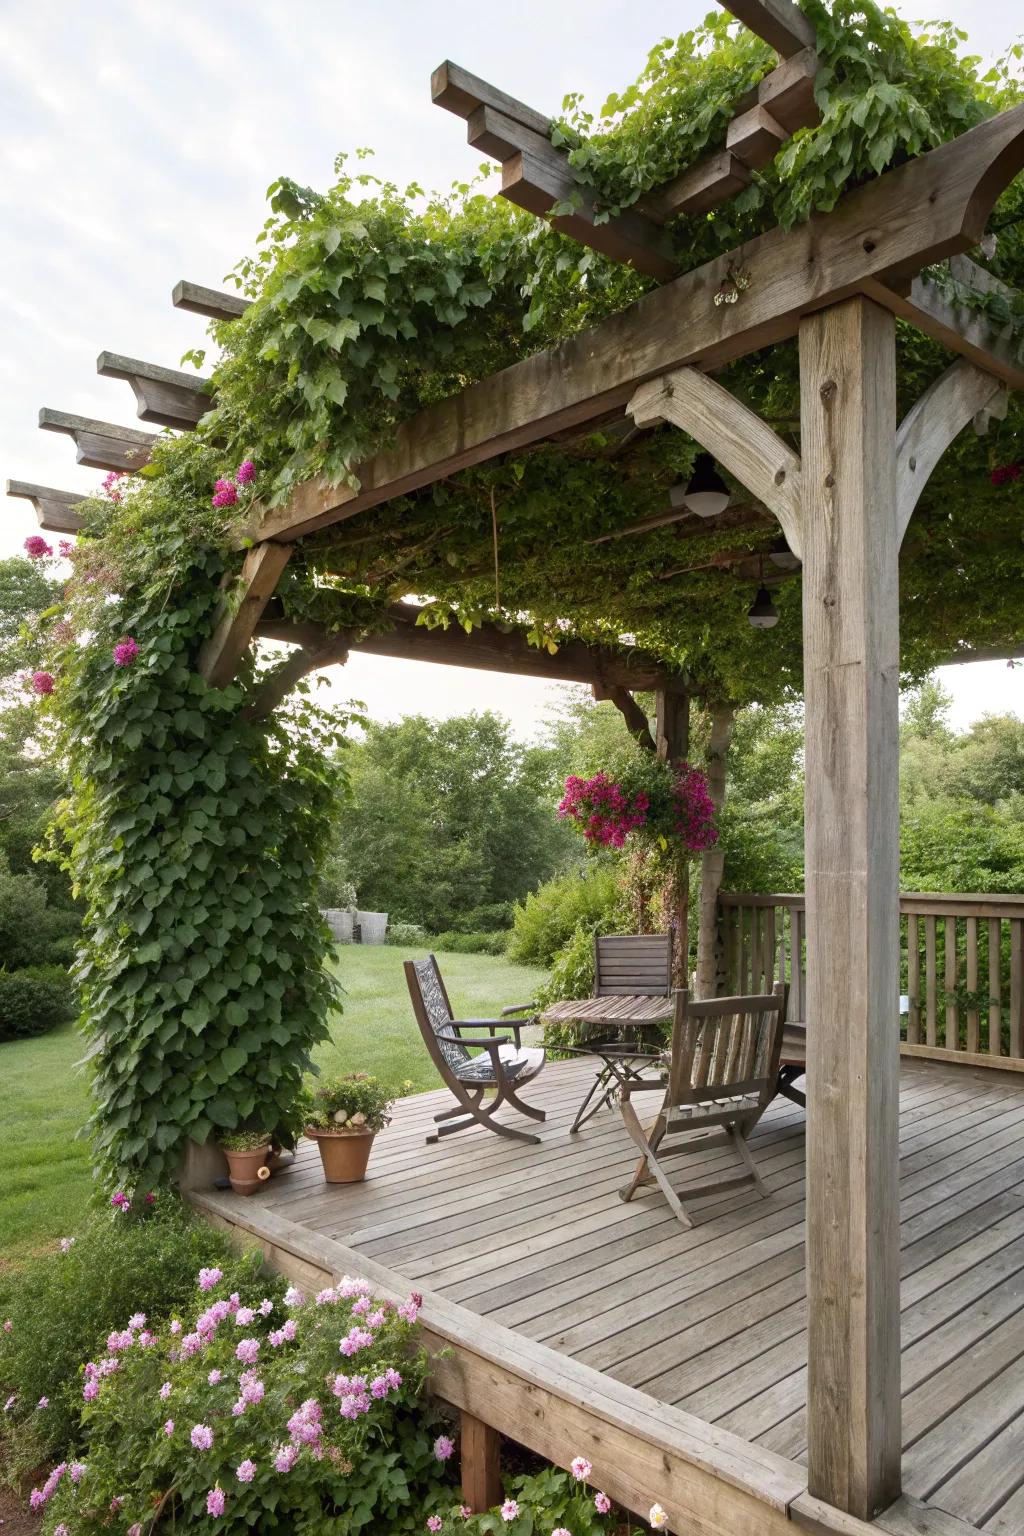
<point>712,866</point>
<point>851,670</point>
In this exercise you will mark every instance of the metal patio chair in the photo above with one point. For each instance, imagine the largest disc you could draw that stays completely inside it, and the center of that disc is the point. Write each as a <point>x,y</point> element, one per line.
<point>502,1068</point>
<point>720,1076</point>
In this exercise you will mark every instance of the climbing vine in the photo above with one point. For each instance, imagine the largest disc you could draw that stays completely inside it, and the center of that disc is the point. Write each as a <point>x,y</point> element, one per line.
<point>193,826</point>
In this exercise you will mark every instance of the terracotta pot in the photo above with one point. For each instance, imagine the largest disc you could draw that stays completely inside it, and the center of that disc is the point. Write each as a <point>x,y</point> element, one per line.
<point>247,1170</point>
<point>344,1154</point>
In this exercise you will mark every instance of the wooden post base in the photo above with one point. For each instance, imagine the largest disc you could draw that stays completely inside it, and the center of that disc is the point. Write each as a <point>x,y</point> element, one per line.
<point>481,1469</point>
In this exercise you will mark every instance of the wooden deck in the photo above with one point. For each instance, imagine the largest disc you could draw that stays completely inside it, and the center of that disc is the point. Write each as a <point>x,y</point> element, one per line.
<point>713,1320</point>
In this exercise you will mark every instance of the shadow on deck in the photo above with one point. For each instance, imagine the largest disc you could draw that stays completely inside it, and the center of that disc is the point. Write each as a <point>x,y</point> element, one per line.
<point>711,1321</point>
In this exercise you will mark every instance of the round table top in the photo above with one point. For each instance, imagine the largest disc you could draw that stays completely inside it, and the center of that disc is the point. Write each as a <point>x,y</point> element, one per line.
<point>627,1008</point>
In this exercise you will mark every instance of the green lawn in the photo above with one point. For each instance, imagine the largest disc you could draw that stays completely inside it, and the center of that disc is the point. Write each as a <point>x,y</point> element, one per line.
<point>43,1100</point>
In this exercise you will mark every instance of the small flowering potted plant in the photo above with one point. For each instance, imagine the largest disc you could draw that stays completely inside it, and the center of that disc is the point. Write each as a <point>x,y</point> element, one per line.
<point>248,1155</point>
<point>345,1115</point>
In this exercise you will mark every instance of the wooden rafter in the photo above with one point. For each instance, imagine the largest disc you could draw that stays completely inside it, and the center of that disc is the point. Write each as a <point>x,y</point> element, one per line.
<point>781,24</point>
<point>210,302</point>
<point>965,330</point>
<point>55,510</point>
<point>487,648</point>
<point>240,611</point>
<point>165,395</point>
<point>878,236</point>
<point>99,444</point>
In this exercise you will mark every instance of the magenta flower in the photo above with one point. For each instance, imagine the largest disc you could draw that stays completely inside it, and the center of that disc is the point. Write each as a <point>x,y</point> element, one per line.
<point>580,1468</point>
<point>201,1437</point>
<point>76,1471</point>
<point>65,548</point>
<point>110,484</point>
<point>120,1200</point>
<point>246,1471</point>
<point>8,1325</point>
<point>266,1307</point>
<point>150,1198</point>
<point>215,1502</point>
<point>91,1391</point>
<point>465,1512</point>
<point>244,1316</point>
<point>434,1523</point>
<point>37,548</point>
<point>293,1297</point>
<point>225,494</point>
<point>602,1503</point>
<point>443,1448</point>
<point>42,682</point>
<point>125,652</point>
<point>208,1278</point>
<point>245,474</point>
<point>286,1458</point>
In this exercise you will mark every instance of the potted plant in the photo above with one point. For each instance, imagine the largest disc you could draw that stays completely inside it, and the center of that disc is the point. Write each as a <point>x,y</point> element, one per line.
<point>248,1154</point>
<point>346,1114</point>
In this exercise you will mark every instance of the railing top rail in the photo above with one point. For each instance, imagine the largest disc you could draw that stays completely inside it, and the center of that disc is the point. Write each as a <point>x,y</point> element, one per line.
<point>914,903</point>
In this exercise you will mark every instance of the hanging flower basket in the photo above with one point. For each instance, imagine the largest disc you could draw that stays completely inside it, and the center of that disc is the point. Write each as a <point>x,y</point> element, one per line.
<point>653,805</point>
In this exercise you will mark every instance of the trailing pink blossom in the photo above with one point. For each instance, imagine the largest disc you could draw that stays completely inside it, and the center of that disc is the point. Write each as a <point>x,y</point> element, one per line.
<point>601,809</point>
<point>125,652</point>
<point>245,474</point>
<point>120,1201</point>
<point>225,494</point>
<point>110,484</point>
<point>444,1448</point>
<point>694,809</point>
<point>42,682</point>
<point>36,547</point>
<point>65,548</point>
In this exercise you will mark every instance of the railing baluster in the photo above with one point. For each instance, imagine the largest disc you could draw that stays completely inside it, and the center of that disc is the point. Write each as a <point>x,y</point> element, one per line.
<point>973,1016</point>
<point>1016,987</point>
<point>952,1008</point>
<point>930,980</point>
<point>913,981</point>
<point>995,987</point>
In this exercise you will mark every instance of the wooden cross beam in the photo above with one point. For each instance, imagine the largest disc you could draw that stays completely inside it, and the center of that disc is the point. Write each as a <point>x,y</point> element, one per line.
<point>208,301</point>
<point>165,395</point>
<point>781,24</point>
<point>241,608</point>
<point>874,240</point>
<point>99,444</point>
<point>55,510</point>
<point>487,648</point>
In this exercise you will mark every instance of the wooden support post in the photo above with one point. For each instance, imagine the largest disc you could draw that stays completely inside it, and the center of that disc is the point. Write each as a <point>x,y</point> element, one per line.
<point>241,611</point>
<point>481,1466</point>
<point>851,667</point>
<point>710,959</point>
<point>672,725</point>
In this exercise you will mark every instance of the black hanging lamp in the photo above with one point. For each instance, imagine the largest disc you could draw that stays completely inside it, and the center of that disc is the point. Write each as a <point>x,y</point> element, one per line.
<point>762,613</point>
<point>706,492</point>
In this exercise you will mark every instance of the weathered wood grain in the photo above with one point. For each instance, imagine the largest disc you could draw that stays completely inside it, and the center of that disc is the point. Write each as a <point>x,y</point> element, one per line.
<point>851,679</point>
<point>240,611</point>
<point>946,407</point>
<point>781,24</point>
<point>99,444</point>
<point>55,510</point>
<point>210,302</point>
<point>164,395</point>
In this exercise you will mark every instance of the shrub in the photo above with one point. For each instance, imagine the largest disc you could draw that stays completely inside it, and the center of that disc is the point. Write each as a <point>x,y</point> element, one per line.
<point>550,916</point>
<point>258,1417</point>
<point>34,1000</point>
<point>406,935</point>
<point>543,1501</point>
<point>62,1305</point>
<point>455,943</point>
<point>353,1102</point>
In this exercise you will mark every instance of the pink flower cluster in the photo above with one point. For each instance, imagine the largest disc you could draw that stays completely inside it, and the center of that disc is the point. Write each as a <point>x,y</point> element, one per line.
<point>42,682</point>
<point>110,484</point>
<point>36,547</point>
<point>1003,474</point>
<point>125,652</point>
<point>356,1396</point>
<point>601,809</point>
<point>42,1496</point>
<point>225,492</point>
<point>694,809</point>
<point>306,1427</point>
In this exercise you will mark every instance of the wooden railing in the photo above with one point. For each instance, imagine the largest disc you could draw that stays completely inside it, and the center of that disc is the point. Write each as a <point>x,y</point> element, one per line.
<point>961,968</point>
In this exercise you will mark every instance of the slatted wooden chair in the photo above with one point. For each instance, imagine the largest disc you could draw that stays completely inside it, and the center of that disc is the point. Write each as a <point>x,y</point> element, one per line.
<point>501,1069</point>
<point>721,1075</point>
<point>625,965</point>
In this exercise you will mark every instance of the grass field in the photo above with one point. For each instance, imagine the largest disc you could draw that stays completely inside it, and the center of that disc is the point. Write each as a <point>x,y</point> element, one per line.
<point>46,1179</point>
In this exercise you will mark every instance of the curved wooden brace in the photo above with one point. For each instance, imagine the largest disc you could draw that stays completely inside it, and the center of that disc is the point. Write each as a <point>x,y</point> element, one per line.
<point>240,610</point>
<point>277,685</point>
<point>933,422</point>
<point>734,433</point>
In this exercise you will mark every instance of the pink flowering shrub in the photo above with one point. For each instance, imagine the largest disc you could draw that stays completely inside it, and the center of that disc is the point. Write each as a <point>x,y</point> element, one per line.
<point>37,548</point>
<point>309,1408</point>
<point>225,492</point>
<point>664,809</point>
<point>602,810</point>
<point>550,1502</point>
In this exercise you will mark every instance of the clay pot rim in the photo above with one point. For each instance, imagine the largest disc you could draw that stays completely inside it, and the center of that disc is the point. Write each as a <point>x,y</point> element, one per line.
<point>245,1151</point>
<point>316,1132</point>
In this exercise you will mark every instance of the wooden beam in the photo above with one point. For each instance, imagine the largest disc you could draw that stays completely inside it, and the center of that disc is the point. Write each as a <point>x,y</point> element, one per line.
<point>735,434</point>
<point>240,612</point>
<point>918,213</point>
<point>697,189</point>
<point>632,714</point>
<point>55,510</point>
<point>480,1458</point>
<point>99,444</point>
<point>755,138</point>
<point>851,688</point>
<point>278,684</point>
<point>788,92</point>
<point>458,91</point>
<point>208,301</point>
<point>488,649</point>
<point>164,395</point>
<point>969,332</point>
<point>781,24</point>
<point>946,407</point>
<point>671,726</point>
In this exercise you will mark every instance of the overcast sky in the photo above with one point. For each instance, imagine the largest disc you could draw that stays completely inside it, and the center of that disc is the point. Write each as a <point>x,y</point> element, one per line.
<point>137,140</point>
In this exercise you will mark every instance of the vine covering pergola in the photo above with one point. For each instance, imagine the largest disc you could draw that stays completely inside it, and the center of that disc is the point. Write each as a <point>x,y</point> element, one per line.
<point>780,279</point>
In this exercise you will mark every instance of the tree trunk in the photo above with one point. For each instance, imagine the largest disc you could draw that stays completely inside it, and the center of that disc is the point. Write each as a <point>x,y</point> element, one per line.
<point>712,868</point>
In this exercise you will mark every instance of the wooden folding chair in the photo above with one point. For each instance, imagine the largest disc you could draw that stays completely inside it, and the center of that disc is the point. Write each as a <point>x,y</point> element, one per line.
<point>722,1073</point>
<point>502,1068</point>
<point>625,965</point>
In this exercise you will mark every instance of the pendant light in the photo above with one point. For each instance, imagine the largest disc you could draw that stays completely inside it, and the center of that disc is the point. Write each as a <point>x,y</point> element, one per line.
<point>706,493</point>
<point>762,613</point>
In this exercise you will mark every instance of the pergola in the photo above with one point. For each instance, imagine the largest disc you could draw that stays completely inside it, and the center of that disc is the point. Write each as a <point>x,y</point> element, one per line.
<point>837,283</point>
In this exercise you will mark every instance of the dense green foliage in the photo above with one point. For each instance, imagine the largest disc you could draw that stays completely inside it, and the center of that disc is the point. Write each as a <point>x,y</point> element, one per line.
<point>585,898</point>
<point>62,1305</point>
<point>33,1000</point>
<point>448,822</point>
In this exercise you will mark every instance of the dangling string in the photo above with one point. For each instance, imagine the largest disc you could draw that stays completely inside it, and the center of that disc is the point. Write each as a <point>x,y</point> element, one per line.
<point>494,531</point>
